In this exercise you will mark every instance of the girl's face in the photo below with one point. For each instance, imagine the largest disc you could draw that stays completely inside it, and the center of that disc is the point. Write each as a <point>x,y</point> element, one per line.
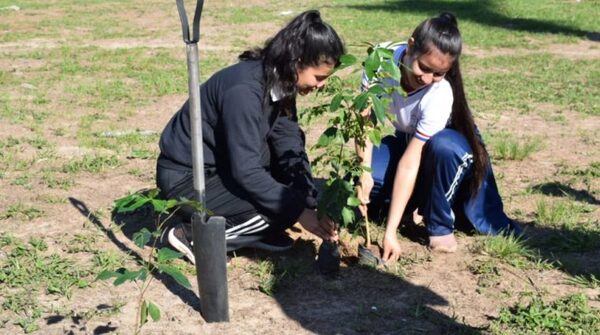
<point>424,69</point>
<point>313,77</point>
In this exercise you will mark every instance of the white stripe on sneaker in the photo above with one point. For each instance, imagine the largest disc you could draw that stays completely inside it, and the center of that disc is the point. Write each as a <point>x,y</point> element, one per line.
<point>242,225</point>
<point>259,224</point>
<point>177,244</point>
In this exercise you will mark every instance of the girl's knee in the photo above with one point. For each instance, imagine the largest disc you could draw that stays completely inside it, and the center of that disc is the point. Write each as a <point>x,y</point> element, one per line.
<point>448,144</point>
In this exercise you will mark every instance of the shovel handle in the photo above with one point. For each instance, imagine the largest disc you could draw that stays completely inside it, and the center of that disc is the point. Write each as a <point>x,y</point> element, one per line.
<point>185,27</point>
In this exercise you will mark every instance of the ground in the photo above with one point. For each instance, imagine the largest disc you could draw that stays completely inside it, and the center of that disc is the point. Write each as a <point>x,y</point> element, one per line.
<point>86,89</point>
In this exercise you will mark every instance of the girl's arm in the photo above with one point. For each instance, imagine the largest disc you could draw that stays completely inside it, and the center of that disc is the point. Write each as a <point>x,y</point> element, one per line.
<point>366,179</point>
<point>404,184</point>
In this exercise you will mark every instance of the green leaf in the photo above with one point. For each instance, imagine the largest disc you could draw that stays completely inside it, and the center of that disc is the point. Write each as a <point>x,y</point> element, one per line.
<point>375,136</point>
<point>153,311</point>
<point>347,215</point>
<point>392,70</point>
<point>153,193</point>
<point>165,254</point>
<point>126,276</point>
<point>130,203</point>
<point>328,136</point>
<point>361,100</point>
<point>144,313</point>
<point>371,65</point>
<point>175,274</point>
<point>336,102</point>
<point>378,108</point>
<point>377,90</point>
<point>345,61</point>
<point>104,275</point>
<point>140,238</point>
<point>353,202</point>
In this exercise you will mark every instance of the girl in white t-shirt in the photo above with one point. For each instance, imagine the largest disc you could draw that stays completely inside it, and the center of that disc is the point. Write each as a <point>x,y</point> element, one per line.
<point>436,161</point>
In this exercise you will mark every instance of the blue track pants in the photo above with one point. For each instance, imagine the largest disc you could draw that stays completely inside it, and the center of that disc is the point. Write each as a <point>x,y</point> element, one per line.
<point>442,189</point>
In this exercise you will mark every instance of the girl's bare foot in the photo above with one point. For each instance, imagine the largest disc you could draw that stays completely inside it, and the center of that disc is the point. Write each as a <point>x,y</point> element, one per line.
<point>445,243</point>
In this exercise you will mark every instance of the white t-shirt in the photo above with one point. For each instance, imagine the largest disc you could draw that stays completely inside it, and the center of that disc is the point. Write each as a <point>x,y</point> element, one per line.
<point>422,113</point>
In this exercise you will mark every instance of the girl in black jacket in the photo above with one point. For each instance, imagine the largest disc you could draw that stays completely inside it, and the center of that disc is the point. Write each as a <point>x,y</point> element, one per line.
<point>256,169</point>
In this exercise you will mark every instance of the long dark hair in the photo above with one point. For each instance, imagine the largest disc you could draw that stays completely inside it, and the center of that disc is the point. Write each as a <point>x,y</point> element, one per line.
<point>442,33</point>
<point>305,41</point>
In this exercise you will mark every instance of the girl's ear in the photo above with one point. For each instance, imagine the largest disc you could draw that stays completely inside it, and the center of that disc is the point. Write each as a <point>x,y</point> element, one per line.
<point>411,44</point>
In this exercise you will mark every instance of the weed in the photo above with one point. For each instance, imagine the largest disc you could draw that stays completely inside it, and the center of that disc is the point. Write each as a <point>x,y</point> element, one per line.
<point>504,146</point>
<point>82,243</point>
<point>569,315</point>
<point>106,260</point>
<point>26,308</point>
<point>50,179</point>
<point>23,180</point>
<point>142,154</point>
<point>92,164</point>
<point>560,213</point>
<point>585,281</point>
<point>27,267</point>
<point>487,272</point>
<point>20,211</point>
<point>509,249</point>
<point>264,270</point>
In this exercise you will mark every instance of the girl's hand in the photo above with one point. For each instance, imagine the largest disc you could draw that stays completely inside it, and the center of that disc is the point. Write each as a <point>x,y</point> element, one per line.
<point>391,247</point>
<point>363,191</point>
<point>324,228</point>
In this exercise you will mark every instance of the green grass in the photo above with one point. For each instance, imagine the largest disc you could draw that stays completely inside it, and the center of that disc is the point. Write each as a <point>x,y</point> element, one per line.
<point>20,211</point>
<point>505,146</point>
<point>562,213</point>
<point>523,82</point>
<point>569,315</point>
<point>585,281</point>
<point>510,250</point>
<point>27,267</point>
<point>93,164</point>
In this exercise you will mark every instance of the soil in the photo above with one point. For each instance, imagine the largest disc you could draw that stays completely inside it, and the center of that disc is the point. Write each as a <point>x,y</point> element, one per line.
<point>428,294</point>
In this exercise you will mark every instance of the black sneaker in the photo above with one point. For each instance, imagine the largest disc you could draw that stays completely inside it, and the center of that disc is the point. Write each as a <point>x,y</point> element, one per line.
<point>275,242</point>
<point>177,239</point>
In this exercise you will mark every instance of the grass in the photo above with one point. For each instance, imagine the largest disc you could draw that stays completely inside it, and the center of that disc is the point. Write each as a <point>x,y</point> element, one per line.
<point>20,211</point>
<point>506,146</point>
<point>510,250</point>
<point>79,72</point>
<point>568,315</point>
<point>27,267</point>
<point>93,164</point>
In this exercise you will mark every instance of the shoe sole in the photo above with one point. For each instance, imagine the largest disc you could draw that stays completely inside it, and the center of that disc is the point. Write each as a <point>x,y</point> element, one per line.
<point>174,241</point>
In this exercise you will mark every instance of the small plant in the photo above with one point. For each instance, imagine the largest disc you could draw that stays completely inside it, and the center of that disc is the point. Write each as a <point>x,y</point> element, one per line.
<point>158,260</point>
<point>569,315</point>
<point>349,123</point>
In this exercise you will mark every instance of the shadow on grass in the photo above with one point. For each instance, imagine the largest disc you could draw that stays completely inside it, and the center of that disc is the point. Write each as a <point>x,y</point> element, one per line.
<point>359,300</point>
<point>486,13</point>
<point>132,224</point>
<point>575,251</point>
<point>558,189</point>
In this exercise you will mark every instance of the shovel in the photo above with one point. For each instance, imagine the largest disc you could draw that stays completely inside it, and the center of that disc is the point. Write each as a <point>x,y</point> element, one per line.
<point>208,235</point>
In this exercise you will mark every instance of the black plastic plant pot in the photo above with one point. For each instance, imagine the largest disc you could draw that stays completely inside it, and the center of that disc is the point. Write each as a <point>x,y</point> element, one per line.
<point>367,258</point>
<point>328,259</point>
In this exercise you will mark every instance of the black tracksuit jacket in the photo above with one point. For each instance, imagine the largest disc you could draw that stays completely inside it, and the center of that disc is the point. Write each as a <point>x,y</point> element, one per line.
<point>247,138</point>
